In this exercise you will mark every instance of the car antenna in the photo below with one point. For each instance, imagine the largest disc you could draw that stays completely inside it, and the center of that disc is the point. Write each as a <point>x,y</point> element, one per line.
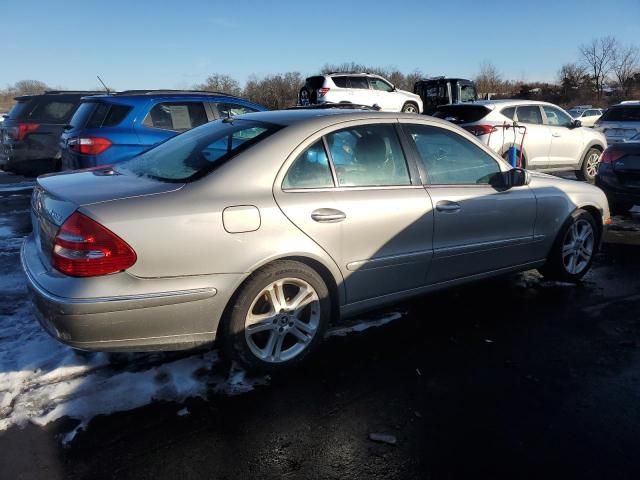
<point>103,84</point>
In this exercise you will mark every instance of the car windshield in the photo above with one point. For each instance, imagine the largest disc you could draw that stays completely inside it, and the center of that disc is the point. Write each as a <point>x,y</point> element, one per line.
<point>197,152</point>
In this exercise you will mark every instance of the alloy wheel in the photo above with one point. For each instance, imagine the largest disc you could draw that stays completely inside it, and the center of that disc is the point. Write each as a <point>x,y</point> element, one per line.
<point>282,320</point>
<point>578,246</point>
<point>592,164</point>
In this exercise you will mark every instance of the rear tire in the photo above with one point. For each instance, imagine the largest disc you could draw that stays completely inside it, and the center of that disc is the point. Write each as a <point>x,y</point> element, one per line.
<point>589,166</point>
<point>265,329</point>
<point>410,107</point>
<point>573,251</point>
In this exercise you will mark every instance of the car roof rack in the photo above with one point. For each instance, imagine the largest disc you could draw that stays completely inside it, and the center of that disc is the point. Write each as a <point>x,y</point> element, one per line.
<point>346,106</point>
<point>350,73</point>
<point>168,91</point>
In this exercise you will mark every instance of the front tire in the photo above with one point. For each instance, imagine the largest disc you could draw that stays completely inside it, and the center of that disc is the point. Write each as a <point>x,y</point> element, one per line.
<point>589,166</point>
<point>278,317</point>
<point>410,107</point>
<point>573,251</point>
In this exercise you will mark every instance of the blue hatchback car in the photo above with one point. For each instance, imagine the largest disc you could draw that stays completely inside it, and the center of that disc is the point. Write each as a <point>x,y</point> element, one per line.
<point>110,128</point>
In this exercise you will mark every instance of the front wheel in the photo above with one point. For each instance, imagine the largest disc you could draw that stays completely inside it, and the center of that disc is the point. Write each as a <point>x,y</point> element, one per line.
<point>410,108</point>
<point>278,317</point>
<point>589,166</point>
<point>574,248</point>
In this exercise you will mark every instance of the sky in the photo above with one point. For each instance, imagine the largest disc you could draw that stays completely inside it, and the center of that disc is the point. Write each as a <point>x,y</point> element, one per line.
<point>168,44</point>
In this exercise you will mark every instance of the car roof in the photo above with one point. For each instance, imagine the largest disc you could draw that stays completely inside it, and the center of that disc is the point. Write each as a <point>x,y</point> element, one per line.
<point>162,94</point>
<point>330,116</point>
<point>501,103</point>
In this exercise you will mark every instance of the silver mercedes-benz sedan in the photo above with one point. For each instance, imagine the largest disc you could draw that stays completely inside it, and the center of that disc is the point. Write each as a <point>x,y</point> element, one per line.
<point>260,230</point>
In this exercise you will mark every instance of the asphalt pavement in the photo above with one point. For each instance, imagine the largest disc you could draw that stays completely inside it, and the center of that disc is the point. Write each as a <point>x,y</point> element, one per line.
<point>508,378</point>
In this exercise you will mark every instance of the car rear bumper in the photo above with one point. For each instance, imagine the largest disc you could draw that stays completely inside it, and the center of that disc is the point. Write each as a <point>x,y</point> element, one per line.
<point>171,317</point>
<point>615,192</point>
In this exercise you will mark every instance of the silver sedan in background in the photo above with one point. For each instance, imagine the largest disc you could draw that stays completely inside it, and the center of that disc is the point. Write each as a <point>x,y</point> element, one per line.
<point>259,230</point>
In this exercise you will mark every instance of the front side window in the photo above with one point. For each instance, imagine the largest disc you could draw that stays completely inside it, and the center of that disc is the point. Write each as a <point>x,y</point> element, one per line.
<point>556,118</point>
<point>232,109</point>
<point>197,152</point>
<point>310,170</point>
<point>467,93</point>
<point>177,116</point>
<point>529,114</point>
<point>368,155</point>
<point>379,84</point>
<point>450,159</point>
<point>359,82</point>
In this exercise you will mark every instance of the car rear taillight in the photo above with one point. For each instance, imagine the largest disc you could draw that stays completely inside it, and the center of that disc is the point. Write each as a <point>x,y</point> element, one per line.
<point>20,131</point>
<point>479,130</point>
<point>323,91</point>
<point>611,155</point>
<point>89,145</point>
<point>84,248</point>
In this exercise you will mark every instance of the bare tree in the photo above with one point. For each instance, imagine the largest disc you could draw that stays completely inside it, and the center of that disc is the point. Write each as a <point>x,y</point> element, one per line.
<point>599,57</point>
<point>572,77</point>
<point>218,82</point>
<point>625,67</point>
<point>489,79</point>
<point>29,87</point>
<point>274,91</point>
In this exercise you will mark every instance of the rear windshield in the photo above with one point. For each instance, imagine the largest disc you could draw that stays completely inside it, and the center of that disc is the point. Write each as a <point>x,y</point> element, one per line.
<point>99,114</point>
<point>461,114</point>
<point>17,110</point>
<point>197,152</point>
<point>622,114</point>
<point>50,109</point>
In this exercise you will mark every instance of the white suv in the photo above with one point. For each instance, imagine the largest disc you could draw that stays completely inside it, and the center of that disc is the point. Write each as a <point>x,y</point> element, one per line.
<point>553,141</point>
<point>359,89</point>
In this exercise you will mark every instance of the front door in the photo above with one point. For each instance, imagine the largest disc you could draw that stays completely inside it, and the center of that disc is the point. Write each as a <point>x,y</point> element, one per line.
<point>479,226</point>
<point>566,142</point>
<point>352,192</point>
<point>537,137</point>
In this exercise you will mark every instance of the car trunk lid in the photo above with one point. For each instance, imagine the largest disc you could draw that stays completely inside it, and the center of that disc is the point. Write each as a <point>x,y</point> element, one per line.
<point>56,197</point>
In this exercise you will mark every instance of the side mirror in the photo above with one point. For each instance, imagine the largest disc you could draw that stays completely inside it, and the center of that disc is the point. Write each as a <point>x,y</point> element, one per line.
<point>575,124</point>
<point>517,177</point>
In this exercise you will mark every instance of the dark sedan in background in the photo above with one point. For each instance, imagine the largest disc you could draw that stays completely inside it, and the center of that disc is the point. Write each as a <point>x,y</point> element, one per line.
<point>619,175</point>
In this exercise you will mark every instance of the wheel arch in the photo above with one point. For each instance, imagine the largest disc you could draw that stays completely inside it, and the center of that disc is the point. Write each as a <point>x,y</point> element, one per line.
<point>592,144</point>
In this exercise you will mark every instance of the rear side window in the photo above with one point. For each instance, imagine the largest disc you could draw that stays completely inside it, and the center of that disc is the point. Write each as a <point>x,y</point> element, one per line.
<point>462,114</point>
<point>450,159</point>
<point>310,170</point>
<point>197,152</point>
<point>341,82</point>
<point>231,109</point>
<point>368,155</point>
<point>82,114</point>
<point>49,110</point>
<point>622,114</point>
<point>359,82</point>
<point>529,114</point>
<point>177,116</point>
<point>508,112</point>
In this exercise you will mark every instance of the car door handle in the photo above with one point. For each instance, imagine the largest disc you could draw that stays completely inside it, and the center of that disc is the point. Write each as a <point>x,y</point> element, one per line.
<point>555,134</point>
<point>328,215</point>
<point>447,206</point>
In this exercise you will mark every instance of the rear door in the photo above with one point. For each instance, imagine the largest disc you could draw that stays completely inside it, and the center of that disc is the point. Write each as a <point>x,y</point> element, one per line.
<point>353,192</point>
<point>537,141</point>
<point>360,92</point>
<point>566,141</point>
<point>479,226</point>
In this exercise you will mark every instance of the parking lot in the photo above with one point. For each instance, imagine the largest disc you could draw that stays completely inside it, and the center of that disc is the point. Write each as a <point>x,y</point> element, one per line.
<point>509,378</point>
